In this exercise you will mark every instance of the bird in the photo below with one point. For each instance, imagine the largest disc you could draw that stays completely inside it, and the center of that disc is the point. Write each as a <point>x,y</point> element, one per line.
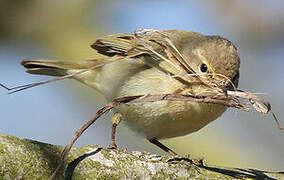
<point>150,62</point>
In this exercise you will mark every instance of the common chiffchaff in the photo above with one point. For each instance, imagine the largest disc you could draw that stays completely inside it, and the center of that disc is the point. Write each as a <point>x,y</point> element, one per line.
<point>213,59</point>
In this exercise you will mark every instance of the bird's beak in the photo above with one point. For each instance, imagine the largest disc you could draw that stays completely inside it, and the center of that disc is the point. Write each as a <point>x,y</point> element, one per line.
<point>223,86</point>
<point>224,90</point>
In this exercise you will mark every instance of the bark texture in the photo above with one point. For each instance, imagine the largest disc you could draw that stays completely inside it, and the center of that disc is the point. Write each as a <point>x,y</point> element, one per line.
<point>27,159</point>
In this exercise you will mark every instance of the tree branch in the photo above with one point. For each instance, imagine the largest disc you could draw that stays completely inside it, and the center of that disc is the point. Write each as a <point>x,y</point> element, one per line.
<point>27,159</point>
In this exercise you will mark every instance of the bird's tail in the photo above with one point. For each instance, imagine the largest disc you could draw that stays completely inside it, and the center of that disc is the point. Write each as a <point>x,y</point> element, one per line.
<point>50,67</point>
<point>63,68</point>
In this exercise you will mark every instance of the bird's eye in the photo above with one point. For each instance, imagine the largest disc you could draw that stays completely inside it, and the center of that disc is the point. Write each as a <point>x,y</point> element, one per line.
<point>203,68</point>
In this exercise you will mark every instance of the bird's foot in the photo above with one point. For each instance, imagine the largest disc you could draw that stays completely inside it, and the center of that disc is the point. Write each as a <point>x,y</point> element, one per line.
<point>112,145</point>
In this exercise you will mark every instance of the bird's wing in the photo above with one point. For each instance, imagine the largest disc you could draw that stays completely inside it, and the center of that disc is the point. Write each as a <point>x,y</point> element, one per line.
<point>127,44</point>
<point>148,43</point>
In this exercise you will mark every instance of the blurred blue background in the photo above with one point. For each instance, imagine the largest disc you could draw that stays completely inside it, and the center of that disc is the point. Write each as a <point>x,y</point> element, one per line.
<point>65,29</point>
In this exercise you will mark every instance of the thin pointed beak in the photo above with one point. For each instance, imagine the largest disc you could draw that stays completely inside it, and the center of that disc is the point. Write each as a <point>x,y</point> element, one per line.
<point>224,90</point>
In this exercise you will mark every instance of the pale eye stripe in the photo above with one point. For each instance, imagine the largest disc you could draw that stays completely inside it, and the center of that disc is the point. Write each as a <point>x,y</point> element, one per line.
<point>204,60</point>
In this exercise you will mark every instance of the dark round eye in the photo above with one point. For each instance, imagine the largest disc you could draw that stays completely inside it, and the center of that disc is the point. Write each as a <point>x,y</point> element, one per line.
<point>203,68</point>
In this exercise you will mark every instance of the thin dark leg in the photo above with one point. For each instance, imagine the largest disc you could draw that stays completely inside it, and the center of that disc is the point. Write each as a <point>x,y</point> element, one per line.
<point>115,120</point>
<point>163,147</point>
<point>113,131</point>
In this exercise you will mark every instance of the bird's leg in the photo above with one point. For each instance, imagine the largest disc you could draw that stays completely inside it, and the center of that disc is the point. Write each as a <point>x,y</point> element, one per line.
<point>172,153</point>
<point>163,147</point>
<point>115,120</point>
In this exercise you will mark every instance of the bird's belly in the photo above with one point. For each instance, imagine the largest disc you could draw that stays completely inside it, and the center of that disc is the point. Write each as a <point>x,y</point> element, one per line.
<point>166,119</point>
<point>161,119</point>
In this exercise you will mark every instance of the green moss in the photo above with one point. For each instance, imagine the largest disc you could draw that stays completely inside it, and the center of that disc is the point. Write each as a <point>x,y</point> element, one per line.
<point>35,160</point>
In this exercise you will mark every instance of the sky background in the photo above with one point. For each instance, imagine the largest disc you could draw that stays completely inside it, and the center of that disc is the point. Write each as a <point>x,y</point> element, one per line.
<point>65,29</point>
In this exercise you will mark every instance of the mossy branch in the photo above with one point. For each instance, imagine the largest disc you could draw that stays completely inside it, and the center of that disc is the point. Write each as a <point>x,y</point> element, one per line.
<point>27,159</point>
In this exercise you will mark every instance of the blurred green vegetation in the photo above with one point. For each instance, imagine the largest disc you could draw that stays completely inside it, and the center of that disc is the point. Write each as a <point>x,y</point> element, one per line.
<point>63,29</point>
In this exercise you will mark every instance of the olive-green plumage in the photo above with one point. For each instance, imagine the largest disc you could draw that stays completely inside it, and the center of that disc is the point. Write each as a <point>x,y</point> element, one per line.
<point>214,59</point>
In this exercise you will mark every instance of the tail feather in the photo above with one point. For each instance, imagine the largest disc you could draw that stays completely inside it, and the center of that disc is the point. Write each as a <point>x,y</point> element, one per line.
<point>55,68</point>
<point>45,67</point>
<point>62,68</point>
<point>51,68</point>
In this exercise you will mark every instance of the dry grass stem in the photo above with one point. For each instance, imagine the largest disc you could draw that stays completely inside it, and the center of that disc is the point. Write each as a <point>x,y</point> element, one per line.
<point>230,101</point>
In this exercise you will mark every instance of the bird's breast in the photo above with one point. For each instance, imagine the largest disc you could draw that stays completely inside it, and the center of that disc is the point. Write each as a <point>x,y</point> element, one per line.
<point>161,119</point>
<point>166,119</point>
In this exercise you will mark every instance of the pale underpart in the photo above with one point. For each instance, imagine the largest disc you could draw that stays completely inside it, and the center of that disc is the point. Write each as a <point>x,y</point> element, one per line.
<point>161,119</point>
